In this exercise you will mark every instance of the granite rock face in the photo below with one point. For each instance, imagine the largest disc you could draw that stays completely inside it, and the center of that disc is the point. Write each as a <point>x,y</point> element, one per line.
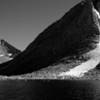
<point>72,35</point>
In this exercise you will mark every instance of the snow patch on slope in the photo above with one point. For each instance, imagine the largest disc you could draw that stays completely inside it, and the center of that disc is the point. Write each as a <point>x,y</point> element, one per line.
<point>94,56</point>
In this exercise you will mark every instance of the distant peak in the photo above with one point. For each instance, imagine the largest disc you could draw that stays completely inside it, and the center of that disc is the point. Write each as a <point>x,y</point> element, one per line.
<point>2,41</point>
<point>13,51</point>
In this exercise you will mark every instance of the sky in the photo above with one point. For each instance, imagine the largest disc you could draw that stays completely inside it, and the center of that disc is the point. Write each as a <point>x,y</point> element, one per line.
<point>22,20</point>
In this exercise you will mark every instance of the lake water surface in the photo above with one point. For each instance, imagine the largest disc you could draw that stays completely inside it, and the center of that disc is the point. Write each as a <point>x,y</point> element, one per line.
<point>49,90</point>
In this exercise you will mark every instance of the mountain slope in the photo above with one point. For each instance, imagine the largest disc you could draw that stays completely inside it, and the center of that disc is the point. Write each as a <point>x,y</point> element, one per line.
<point>72,35</point>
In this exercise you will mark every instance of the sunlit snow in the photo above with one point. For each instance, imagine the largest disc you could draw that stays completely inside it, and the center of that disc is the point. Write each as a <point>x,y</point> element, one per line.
<point>80,70</point>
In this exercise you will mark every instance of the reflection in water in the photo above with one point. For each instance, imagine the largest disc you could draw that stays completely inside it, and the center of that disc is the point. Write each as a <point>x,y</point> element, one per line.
<point>49,90</point>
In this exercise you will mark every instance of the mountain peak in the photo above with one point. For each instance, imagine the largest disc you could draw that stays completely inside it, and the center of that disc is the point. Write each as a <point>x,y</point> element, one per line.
<point>8,49</point>
<point>72,35</point>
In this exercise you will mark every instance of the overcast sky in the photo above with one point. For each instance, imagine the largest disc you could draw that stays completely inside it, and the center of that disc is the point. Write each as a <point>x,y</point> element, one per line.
<point>22,20</point>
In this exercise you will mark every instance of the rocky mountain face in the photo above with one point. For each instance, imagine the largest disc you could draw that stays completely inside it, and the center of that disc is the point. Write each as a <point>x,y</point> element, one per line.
<point>72,35</point>
<point>7,51</point>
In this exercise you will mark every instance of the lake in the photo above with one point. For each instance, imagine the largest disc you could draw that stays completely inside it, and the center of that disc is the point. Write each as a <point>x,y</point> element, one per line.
<point>49,89</point>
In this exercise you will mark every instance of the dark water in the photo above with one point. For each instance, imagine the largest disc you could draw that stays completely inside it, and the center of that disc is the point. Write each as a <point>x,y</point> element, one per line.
<point>49,90</point>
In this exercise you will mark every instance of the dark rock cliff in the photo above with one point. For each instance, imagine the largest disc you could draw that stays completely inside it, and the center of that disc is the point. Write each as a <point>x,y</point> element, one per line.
<point>73,34</point>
